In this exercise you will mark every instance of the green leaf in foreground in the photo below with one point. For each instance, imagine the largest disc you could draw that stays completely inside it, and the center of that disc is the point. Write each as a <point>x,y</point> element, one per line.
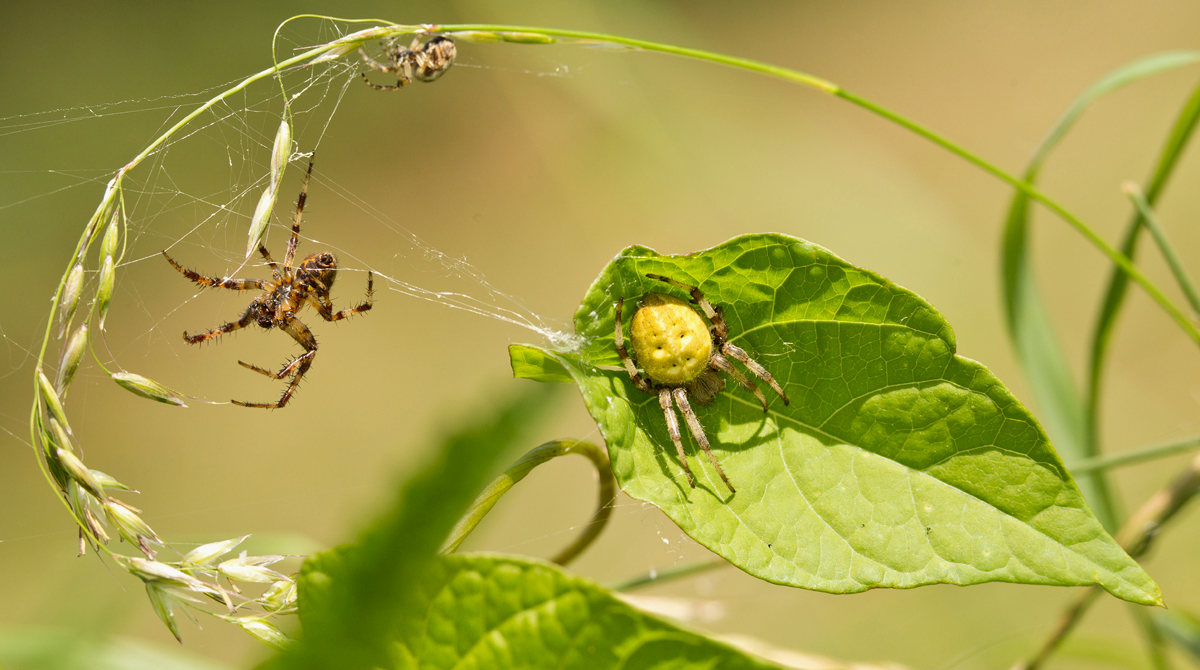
<point>350,597</point>
<point>897,464</point>
<point>489,611</point>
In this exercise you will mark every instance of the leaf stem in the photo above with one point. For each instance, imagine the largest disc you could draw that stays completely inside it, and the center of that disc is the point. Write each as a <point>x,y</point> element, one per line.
<point>1111,461</point>
<point>656,577</point>
<point>515,473</point>
<point>1160,237</point>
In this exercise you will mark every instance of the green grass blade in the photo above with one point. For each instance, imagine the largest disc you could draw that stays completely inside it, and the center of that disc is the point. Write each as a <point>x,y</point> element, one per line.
<point>1135,456</point>
<point>1152,224</point>
<point>1183,629</point>
<point>897,463</point>
<point>1118,282</point>
<point>1038,349</point>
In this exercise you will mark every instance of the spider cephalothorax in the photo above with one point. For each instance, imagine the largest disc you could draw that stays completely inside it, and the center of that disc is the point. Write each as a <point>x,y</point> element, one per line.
<point>682,357</point>
<point>286,293</point>
<point>423,62</point>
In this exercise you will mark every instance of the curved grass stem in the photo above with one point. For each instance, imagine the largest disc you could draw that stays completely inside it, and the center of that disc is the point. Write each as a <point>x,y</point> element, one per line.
<point>1111,461</point>
<point>1164,245</point>
<point>538,455</point>
<point>657,577</point>
<point>519,33</point>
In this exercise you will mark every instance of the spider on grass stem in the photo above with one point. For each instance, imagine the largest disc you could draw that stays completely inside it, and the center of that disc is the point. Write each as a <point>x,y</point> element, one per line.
<point>424,62</point>
<point>289,290</point>
<point>682,357</point>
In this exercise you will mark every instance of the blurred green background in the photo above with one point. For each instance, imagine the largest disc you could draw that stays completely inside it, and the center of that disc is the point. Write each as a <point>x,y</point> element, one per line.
<point>535,165</point>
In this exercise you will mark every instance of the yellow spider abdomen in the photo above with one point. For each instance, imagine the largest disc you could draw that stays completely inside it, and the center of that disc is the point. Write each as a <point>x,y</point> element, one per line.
<point>670,340</point>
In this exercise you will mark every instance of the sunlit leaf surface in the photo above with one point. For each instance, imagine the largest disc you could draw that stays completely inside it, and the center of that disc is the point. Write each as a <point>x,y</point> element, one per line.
<point>487,611</point>
<point>897,464</point>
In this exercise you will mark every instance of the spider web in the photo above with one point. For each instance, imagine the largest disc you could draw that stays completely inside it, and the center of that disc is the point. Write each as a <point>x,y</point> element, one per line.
<point>194,197</point>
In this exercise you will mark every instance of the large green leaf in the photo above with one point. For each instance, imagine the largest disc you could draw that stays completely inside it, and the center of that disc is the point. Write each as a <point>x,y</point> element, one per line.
<point>488,611</point>
<point>897,464</point>
<point>350,596</point>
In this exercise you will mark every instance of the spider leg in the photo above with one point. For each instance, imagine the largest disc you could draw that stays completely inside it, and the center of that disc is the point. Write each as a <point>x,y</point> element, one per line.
<point>713,313</point>
<point>721,363</point>
<point>295,240</point>
<point>325,306</point>
<point>664,400</point>
<point>302,363</point>
<point>401,79</point>
<point>246,320</point>
<point>759,371</point>
<point>211,282</point>
<point>274,266</point>
<point>288,369</point>
<point>693,423</point>
<point>399,84</point>
<point>372,63</point>
<point>637,378</point>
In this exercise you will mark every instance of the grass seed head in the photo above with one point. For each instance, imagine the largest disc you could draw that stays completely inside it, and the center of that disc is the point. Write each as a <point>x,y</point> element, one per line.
<point>148,388</point>
<point>281,151</point>
<point>71,355</point>
<point>110,483</point>
<point>79,472</point>
<point>262,216</point>
<point>70,297</point>
<point>204,555</point>
<point>53,402</point>
<point>281,595</point>
<point>135,531</point>
<point>262,630</point>
<point>108,276</point>
<point>52,440</point>
<point>84,504</point>
<point>251,569</point>
<point>112,236</point>
<point>163,601</point>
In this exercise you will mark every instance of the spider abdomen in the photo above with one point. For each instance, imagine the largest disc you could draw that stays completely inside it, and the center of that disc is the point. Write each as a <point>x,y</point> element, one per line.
<point>670,340</point>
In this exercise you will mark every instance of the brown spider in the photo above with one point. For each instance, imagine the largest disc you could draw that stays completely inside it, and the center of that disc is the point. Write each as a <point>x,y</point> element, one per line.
<point>289,290</point>
<point>424,62</point>
<point>682,356</point>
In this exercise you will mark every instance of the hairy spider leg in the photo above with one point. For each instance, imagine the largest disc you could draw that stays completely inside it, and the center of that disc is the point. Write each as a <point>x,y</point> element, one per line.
<point>693,423</point>
<point>295,239</point>
<point>664,401</point>
<point>399,65</point>
<point>721,332</point>
<point>324,305</point>
<point>299,332</point>
<point>288,367</point>
<point>634,375</point>
<point>721,363</point>
<point>713,313</point>
<point>215,282</point>
<point>275,273</point>
<point>246,320</point>
<point>759,371</point>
